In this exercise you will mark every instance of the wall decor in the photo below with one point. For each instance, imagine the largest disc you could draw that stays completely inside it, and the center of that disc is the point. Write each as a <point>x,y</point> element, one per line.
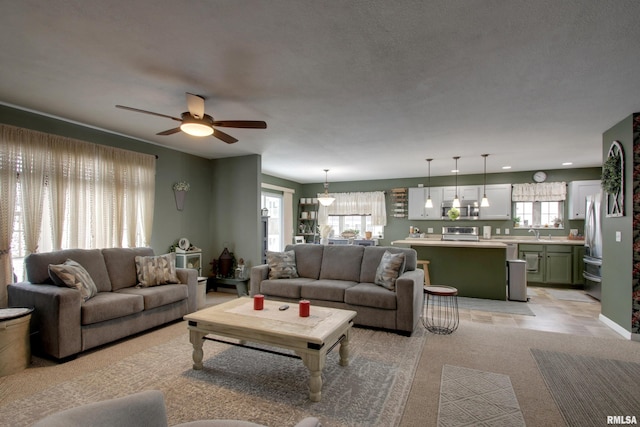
<point>180,192</point>
<point>613,180</point>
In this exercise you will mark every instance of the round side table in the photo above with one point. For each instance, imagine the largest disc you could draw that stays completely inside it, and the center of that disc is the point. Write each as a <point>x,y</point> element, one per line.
<point>440,315</point>
<point>15,347</point>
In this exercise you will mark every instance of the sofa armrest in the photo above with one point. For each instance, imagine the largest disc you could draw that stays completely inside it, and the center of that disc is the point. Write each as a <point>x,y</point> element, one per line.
<point>189,277</point>
<point>410,297</point>
<point>258,274</point>
<point>56,316</point>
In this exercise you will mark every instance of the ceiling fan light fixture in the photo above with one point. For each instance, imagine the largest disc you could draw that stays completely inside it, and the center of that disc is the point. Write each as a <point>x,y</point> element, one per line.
<point>196,127</point>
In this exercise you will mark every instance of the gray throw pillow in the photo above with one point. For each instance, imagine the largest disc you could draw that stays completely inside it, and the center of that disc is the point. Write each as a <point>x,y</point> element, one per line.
<point>389,269</point>
<point>73,275</point>
<point>282,265</point>
<point>156,270</point>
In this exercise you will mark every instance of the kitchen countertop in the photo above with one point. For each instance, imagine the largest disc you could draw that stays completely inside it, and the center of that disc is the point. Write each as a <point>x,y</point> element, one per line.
<point>493,243</point>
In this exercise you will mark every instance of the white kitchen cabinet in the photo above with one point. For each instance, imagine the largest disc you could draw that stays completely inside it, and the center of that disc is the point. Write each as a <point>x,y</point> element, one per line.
<point>499,196</point>
<point>578,192</point>
<point>466,193</point>
<point>417,199</point>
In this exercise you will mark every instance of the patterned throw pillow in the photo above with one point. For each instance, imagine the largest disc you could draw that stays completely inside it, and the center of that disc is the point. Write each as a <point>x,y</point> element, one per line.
<point>156,270</point>
<point>389,269</point>
<point>282,265</point>
<point>73,275</point>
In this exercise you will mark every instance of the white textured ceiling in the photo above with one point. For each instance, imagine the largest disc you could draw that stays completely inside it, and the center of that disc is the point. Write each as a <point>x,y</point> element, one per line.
<point>367,89</point>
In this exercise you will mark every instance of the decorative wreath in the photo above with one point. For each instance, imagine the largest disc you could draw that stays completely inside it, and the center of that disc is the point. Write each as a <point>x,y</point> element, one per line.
<point>611,175</point>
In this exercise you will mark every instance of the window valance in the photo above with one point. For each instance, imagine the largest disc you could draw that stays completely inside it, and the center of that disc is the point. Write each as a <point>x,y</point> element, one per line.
<point>542,192</point>
<point>361,203</point>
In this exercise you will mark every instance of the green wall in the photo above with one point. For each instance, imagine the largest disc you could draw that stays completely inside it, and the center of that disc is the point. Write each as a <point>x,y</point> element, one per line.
<point>617,265</point>
<point>398,228</point>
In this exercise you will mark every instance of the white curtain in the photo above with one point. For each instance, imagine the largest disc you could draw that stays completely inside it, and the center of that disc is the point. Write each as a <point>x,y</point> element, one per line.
<point>362,203</point>
<point>97,196</point>
<point>542,192</point>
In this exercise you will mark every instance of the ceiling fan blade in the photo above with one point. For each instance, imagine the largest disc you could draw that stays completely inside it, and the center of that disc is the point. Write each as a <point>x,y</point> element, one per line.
<point>169,131</point>
<point>224,137</point>
<point>196,105</point>
<point>137,110</point>
<point>247,124</point>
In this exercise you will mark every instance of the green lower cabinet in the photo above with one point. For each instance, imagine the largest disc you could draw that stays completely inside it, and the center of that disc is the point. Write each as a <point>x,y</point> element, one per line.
<point>578,265</point>
<point>555,263</point>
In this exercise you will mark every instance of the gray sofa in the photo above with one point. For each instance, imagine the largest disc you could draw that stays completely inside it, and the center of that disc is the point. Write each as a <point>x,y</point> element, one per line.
<point>63,324</point>
<point>342,276</point>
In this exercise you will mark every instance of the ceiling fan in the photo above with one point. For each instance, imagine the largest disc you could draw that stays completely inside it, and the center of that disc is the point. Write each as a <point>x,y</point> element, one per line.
<point>195,122</point>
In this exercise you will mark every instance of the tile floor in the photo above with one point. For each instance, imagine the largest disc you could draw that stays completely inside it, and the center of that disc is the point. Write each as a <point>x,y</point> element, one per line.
<point>551,314</point>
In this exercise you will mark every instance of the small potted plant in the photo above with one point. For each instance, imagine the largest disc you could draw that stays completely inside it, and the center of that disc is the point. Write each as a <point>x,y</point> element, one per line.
<point>557,222</point>
<point>516,221</point>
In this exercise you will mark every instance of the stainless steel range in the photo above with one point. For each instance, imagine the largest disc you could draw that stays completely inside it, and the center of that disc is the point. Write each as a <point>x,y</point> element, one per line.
<point>468,234</point>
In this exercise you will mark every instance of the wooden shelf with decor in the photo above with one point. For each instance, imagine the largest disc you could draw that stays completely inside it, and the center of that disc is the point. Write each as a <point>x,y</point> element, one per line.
<point>308,220</point>
<point>399,199</point>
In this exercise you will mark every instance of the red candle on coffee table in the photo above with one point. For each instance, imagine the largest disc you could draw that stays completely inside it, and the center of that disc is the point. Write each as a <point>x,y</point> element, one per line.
<point>304,308</point>
<point>258,302</point>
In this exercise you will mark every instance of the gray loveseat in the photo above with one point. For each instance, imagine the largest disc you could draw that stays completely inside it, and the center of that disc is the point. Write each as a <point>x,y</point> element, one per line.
<point>64,325</point>
<point>342,276</point>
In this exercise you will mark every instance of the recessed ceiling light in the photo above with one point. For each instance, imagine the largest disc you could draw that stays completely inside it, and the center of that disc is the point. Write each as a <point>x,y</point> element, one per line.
<point>454,170</point>
<point>567,163</point>
<point>506,167</point>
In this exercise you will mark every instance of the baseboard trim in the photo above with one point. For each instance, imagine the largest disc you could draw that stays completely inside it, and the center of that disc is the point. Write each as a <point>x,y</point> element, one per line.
<point>619,329</point>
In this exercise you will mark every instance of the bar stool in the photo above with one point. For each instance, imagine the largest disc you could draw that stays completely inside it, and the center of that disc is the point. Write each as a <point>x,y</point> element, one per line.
<point>425,267</point>
<point>440,315</point>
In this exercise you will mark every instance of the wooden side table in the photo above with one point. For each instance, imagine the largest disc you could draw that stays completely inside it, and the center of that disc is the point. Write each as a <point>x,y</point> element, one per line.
<point>241,284</point>
<point>440,315</point>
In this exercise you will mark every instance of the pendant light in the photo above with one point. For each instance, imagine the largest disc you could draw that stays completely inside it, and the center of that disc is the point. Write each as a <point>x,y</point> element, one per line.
<point>429,202</point>
<point>485,202</point>
<point>325,199</point>
<point>456,200</point>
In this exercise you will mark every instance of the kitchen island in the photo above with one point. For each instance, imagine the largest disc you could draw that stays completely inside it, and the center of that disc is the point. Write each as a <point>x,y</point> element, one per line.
<point>476,269</point>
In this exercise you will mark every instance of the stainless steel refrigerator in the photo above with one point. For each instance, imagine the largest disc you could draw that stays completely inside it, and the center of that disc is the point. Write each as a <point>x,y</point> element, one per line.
<point>593,246</point>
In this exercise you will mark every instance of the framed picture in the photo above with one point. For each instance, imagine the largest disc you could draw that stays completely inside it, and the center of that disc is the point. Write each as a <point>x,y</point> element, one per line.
<point>298,239</point>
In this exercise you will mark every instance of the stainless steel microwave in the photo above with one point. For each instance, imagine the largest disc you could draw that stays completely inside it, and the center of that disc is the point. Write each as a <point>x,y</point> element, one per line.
<point>468,209</point>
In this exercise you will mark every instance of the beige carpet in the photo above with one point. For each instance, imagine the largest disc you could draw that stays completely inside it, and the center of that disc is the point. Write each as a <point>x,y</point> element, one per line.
<point>239,383</point>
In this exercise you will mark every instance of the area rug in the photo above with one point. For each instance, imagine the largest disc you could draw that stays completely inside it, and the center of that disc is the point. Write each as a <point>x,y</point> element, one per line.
<point>510,307</point>
<point>240,383</point>
<point>570,295</point>
<point>588,390</point>
<point>469,397</point>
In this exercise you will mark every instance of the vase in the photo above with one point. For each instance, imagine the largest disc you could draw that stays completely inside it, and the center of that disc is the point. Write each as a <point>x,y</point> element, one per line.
<point>180,196</point>
<point>324,241</point>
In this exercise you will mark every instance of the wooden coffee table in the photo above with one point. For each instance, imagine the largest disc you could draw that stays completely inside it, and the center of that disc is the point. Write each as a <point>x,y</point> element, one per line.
<point>311,338</point>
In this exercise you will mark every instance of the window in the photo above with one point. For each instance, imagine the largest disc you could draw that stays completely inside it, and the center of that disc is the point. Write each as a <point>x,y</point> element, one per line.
<point>273,202</point>
<point>539,214</point>
<point>362,223</point>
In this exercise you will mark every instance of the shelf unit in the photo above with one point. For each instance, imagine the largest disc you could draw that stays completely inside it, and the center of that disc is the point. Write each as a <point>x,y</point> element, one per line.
<point>308,222</point>
<point>399,198</point>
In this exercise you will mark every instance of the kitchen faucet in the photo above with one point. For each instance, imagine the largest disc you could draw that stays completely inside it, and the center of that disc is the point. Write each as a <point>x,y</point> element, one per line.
<point>536,232</point>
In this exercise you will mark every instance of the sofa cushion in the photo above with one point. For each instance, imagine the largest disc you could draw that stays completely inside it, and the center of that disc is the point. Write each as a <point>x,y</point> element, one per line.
<point>37,266</point>
<point>342,262</point>
<point>158,296</point>
<point>373,255</point>
<point>156,270</point>
<point>282,265</point>
<point>285,288</point>
<point>390,267</point>
<point>308,259</point>
<point>370,295</point>
<point>326,290</point>
<point>110,305</point>
<point>73,275</point>
<point>121,265</point>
